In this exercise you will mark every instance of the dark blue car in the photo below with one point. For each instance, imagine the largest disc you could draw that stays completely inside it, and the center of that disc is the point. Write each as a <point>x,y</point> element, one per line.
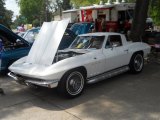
<point>82,28</point>
<point>15,47</point>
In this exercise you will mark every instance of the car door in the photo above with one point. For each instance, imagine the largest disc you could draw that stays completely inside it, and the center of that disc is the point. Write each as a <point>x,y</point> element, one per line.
<point>96,63</point>
<point>96,58</point>
<point>114,53</point>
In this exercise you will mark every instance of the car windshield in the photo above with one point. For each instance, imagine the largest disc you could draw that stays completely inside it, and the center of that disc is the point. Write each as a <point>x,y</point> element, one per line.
<point>31,35</point>
<point>88,42</point>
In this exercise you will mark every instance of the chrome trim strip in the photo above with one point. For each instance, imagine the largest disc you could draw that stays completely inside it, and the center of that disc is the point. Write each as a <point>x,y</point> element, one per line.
<point>44,83</point>
<point>10,74</point>
<point>108,75</point>
<point>48,83</point>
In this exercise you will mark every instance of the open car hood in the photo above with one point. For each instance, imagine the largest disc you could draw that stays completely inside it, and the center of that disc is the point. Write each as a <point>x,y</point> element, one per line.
<point>11,35</point>
<point>47,42</point>
<point>43,51</point>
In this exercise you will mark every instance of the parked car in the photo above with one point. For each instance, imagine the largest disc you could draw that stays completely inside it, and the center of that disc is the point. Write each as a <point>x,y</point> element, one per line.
<point>31,34</point>
<point>157,42</point>
<point>67,39</point>
<point>90,58</point>
<point>69,25</point>
<point>153,39</point>
<point>149,24</point>
<point>82,28</point>
<point>21,34</point>
<point>13,47</point>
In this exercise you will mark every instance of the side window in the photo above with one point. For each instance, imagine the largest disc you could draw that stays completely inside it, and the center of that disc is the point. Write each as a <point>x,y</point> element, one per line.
<point>31,36</point>
<point>108,44</point>
<point>115,40</point>
<point>10,43</point>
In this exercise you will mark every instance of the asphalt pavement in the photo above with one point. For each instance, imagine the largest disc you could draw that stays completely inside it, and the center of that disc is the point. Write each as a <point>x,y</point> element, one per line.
<point>124,97</point>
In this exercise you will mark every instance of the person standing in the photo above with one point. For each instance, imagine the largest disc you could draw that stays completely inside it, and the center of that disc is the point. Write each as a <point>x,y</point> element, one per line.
<point>103,25</point>
<point>96,25</point>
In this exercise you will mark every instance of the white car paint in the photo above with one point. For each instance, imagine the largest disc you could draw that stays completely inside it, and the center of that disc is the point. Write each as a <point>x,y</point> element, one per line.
<point>95,61</point>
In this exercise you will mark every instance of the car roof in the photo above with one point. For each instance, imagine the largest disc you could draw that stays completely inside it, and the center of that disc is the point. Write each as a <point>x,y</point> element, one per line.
<point>100,34</point>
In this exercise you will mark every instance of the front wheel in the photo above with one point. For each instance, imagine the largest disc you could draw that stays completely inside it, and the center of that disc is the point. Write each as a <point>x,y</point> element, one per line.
<point>136,63</point>
<point>72,84</point>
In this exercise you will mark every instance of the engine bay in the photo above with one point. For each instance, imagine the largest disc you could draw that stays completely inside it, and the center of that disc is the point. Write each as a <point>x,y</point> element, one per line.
<point>63,55</point>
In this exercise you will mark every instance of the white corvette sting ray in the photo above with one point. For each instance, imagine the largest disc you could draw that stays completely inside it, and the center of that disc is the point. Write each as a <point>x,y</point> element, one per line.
<point>90,58</point>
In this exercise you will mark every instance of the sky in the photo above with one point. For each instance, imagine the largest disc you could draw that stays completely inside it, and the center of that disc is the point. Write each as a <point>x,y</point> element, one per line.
<point>12,5</point>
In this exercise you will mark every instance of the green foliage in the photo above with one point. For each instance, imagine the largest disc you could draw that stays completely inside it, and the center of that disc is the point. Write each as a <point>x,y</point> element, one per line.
<point>154,11</point>
<point>35,23</point>
<point>8,17</point>
<point>5,15</point>
<point>2,8</point>
<point>31,9</point>
<point>40,10</point>
<point>66,4</point>
<point>19,21</point>
<point>79,3</point>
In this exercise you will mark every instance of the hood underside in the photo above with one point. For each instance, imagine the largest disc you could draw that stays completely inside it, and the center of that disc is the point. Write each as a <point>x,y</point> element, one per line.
<point>47,42</point>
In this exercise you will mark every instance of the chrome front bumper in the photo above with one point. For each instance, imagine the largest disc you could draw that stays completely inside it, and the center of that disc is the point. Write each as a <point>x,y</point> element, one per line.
<point>27,81</point>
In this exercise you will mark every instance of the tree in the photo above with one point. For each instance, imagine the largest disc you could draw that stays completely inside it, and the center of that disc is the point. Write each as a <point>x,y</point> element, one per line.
<point>19,21</point>
<point>79,3</point>
<point>8,18</point>
<point>2,11</point>
<point>31,9</point>
<point>5,15</point>
<point>139,20</point>
<point>154,11</point>
<point>37,10</point>
<point>66,4</point>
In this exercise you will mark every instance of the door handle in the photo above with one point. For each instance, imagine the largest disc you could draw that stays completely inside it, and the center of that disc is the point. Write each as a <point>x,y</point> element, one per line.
<point>95,58</point>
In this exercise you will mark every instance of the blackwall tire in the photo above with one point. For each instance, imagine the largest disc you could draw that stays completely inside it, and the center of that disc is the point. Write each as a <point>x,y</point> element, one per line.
<point>72,84</point>
<point>136,63</point>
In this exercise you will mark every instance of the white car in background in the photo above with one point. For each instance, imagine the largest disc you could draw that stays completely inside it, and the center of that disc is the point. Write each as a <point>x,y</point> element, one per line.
<point>21,34</point>
<point>90,58</point>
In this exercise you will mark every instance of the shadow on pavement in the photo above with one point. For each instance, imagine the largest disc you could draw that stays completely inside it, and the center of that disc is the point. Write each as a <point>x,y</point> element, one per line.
<point>125,96</point>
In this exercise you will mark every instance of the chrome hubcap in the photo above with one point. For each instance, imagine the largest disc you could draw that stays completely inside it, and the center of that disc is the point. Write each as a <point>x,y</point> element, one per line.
<point>75,83</point>
<point>138,62</point>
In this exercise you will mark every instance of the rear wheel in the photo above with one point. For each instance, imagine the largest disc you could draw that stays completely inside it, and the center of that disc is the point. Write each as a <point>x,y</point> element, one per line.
<point>72,84</point>
<point>136,63</point>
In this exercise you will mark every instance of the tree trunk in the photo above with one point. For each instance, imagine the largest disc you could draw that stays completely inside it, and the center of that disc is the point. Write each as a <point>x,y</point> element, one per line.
<point>139,20</point>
